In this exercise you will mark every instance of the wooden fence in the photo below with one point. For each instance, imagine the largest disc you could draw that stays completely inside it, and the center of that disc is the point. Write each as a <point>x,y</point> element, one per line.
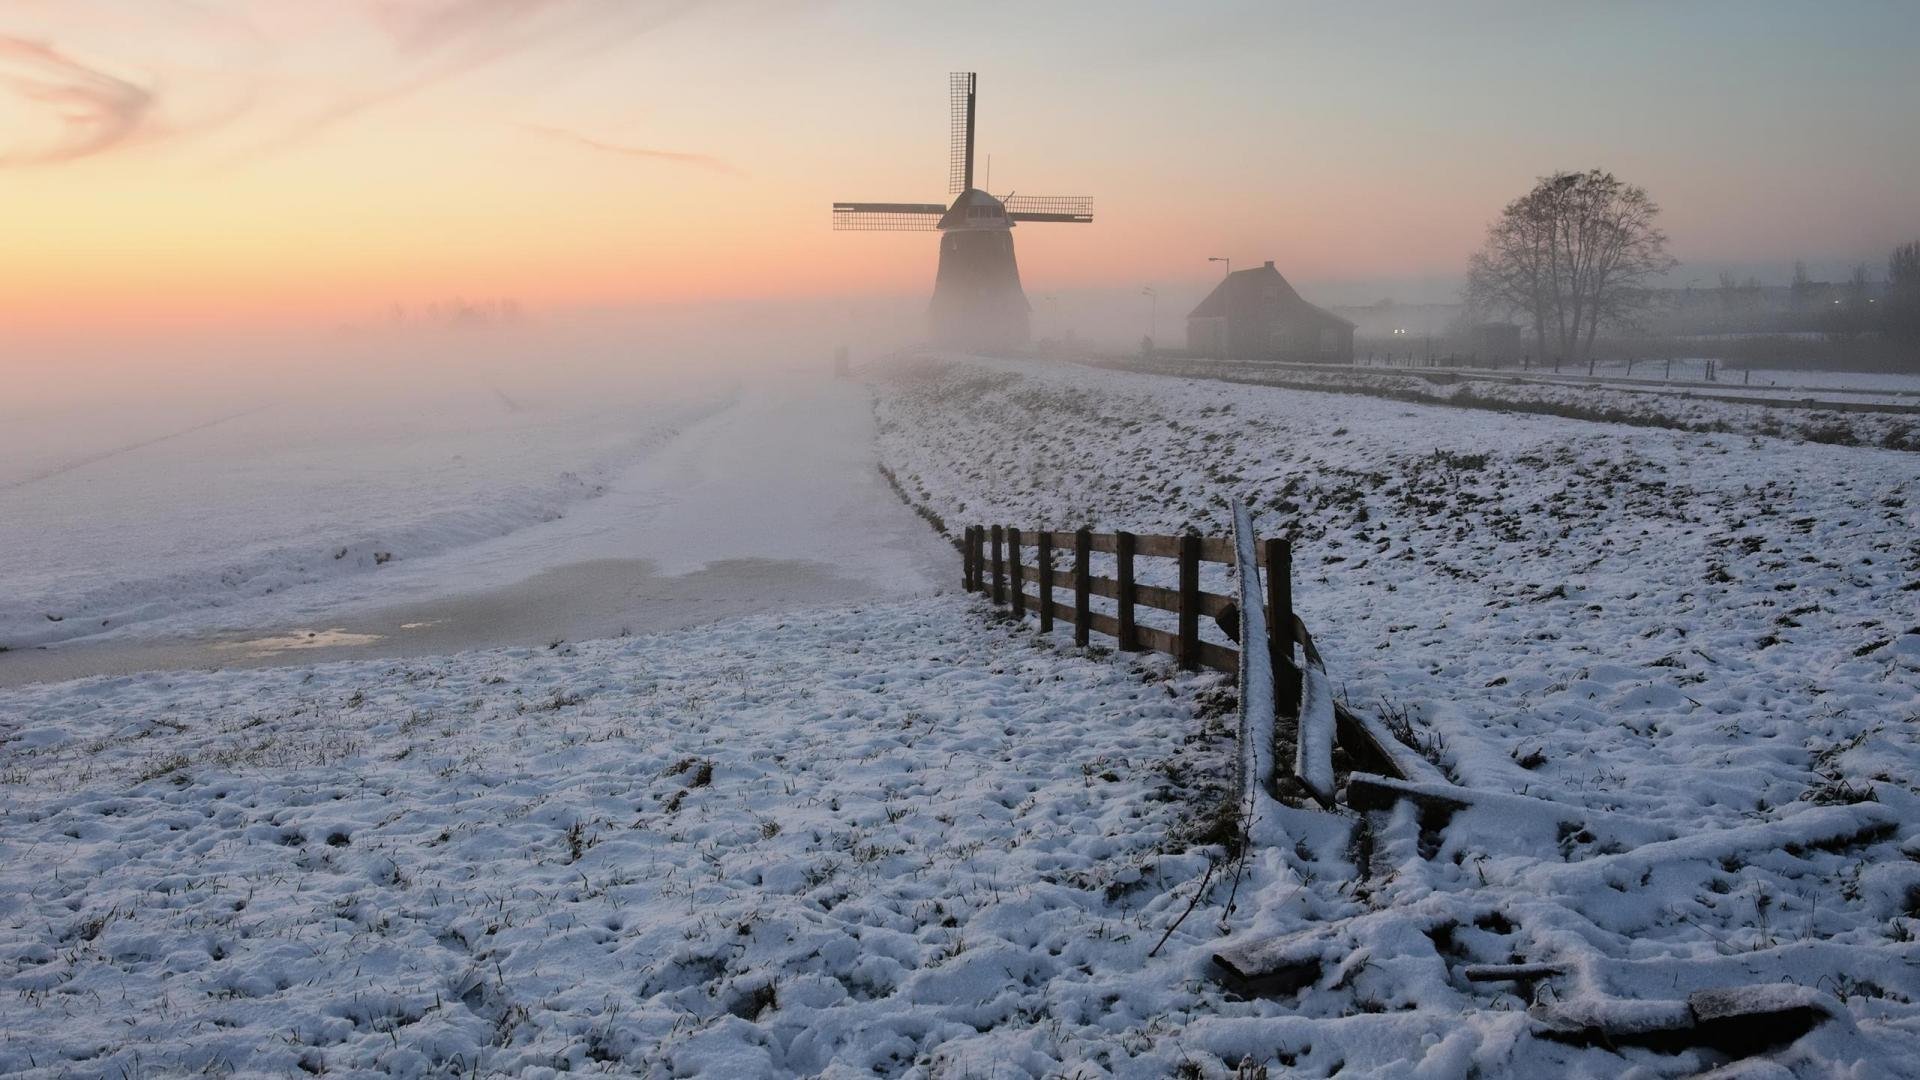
<point>994,558</point>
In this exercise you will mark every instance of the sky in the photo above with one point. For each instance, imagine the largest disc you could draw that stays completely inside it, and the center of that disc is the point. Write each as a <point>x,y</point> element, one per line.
<point>225,161</point>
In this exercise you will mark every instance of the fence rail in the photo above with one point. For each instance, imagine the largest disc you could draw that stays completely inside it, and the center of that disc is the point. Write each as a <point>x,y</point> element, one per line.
<point>1283,658</point>
<point>995,563</point>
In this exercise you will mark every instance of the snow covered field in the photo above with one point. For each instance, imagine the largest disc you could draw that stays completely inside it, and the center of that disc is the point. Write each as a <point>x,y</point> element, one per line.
<point>1696,632</point>
<point>1644,404</point>
<point>111,521</point>
<point>859,842</point>
<point>1864,382</point>
<point>1870,385</point>
<point>909,838</point>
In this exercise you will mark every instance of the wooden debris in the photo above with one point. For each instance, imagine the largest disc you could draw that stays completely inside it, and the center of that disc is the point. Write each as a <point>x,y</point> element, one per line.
<point>1738,1021</point>
<point>1511,972</point>
<point>1366,791</point>
<point>1273,966</point>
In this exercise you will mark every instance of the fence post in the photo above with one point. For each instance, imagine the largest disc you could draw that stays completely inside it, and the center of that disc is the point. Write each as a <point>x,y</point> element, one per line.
<point>1016,573</point>
<point>1082,606</point>
<point>1045,541</point>
<point>1190,602</point>
<point>1286,674</point>
<point>969,574</point>
<point>1254,763</point>
<point>999,572</point>
<point>1123,543</point>
<point>979,558</point>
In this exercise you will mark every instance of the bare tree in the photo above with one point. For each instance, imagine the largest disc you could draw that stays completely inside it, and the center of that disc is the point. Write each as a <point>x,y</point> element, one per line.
<point>1903,290</point>
<point>1572,254</point>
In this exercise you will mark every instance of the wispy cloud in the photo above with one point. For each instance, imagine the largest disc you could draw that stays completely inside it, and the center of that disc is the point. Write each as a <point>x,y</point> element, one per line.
<point>89,110</point>
<point>679,157</point>
<point>419,26</point>
<point>439,41</point>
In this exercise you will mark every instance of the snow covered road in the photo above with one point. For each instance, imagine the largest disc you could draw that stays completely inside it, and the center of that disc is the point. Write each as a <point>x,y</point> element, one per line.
<point>769,503</point>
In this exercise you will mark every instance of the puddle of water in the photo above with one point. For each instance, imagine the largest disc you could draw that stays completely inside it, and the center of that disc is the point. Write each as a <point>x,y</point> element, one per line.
<point>595,599</point>
<point>301,639</point>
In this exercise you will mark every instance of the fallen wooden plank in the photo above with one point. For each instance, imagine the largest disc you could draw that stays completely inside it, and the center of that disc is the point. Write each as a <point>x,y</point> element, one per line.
<point>1738,1021</point>
<point>1367,791</point>
<point>1313,741</point>
<point>1511,972</point>
<point>1814,827</point>
<point>1373,748</point>
<point>1274,965</point>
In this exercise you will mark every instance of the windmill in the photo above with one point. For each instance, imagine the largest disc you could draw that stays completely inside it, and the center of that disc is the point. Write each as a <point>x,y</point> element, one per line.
<point>977,300</point>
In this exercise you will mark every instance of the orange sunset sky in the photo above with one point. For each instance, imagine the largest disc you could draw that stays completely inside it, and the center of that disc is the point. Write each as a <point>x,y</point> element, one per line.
<point>258,158</point>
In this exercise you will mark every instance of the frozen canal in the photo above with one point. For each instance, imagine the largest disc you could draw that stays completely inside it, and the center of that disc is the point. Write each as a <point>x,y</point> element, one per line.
<point>768,500</point>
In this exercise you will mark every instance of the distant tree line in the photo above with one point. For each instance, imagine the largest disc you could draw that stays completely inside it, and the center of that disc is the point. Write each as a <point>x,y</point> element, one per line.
<point>1580,251</point>
<point>1902,317</point>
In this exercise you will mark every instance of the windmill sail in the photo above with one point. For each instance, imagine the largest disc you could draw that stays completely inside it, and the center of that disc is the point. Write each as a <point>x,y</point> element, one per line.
<point>1071,209</point>
<point>886,217</point>
<point>960,132</point>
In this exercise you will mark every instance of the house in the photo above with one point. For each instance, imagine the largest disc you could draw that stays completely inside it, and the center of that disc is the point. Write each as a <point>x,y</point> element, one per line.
<point>1255,315</point>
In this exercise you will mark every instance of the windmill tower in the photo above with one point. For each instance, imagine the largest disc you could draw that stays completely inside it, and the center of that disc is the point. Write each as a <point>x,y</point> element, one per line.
<point>977,300</point>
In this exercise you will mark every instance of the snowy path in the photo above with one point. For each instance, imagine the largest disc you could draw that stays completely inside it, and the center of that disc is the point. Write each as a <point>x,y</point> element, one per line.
<point>772,503</point>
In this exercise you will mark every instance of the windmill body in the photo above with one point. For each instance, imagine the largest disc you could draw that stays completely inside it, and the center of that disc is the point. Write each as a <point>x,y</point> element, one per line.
<point>977,299</point>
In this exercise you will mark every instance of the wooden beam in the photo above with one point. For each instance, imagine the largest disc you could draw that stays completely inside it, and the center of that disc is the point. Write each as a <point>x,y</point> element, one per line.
<point>1286,675</point>
<point>1014,568</point>
<point>1189,603</point>
<point>1046,581</point>
<point>1213,549</point>
<point>1123,557</point>
<point>1219,657</point>
<point>1154,639</point>
<point>999,569</point>
<point>1082,544</point>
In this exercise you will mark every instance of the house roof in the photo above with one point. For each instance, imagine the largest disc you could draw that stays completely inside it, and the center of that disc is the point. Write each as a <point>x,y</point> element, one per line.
<point>1255,290</point>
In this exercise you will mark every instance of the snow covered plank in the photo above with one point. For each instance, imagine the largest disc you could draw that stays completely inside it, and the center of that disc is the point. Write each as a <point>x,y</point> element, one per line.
<point>1736,1020</point>
<point>1369,792</point>
<point>1256,671</point>
<point>1313,745</point>
<point>1813,827</point>
<point>1367,741</point>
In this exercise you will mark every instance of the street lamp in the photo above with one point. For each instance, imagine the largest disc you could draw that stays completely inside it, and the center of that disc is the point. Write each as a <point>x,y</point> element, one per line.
<point>1226,301</point>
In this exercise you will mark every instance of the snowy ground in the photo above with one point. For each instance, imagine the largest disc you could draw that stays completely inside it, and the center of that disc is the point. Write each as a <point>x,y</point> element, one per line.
<point>1849,385</point>
<point>908,838</point>
<point>1647,405</point>
<point>862,841</point>
<point>1696,632</point>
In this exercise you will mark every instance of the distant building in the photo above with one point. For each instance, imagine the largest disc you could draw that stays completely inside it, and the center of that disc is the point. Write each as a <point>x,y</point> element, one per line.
<point>1255,315</point>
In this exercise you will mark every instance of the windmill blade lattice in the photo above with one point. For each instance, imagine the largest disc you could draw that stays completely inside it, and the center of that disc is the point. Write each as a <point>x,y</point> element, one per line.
<point>960,132</point>
<point>1072,209</point>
